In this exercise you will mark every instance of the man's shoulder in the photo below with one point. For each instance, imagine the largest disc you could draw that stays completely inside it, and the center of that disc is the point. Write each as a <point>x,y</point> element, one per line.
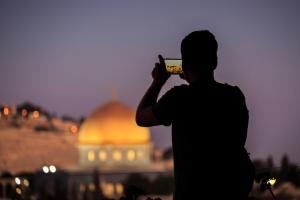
<point>231,88</point>
<point>233,92</point>
<point>225,88</point>
<point>179,88</point>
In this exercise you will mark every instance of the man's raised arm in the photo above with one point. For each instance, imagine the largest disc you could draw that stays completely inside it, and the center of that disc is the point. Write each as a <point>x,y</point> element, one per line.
<point>144,114</point>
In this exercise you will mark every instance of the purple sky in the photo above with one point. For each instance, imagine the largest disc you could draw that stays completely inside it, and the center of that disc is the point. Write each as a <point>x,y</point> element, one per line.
<point>67,56</point>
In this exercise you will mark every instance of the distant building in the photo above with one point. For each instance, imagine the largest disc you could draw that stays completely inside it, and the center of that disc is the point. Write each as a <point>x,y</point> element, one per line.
<point>110,141</point>
<point>108,145</point>
<point>110,138</point>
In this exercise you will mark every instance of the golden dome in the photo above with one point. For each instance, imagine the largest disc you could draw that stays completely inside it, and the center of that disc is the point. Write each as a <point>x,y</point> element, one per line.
<point>112,123</point>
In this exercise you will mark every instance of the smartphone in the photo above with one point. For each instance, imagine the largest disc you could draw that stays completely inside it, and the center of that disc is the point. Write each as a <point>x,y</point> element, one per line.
<point>173,65</point>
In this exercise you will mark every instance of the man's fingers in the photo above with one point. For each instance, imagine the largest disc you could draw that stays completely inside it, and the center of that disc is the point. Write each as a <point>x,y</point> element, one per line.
<point>156,66</point>
<point>161,59</point>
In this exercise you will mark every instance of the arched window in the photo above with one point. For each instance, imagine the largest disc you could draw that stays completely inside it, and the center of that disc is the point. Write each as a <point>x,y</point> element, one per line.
<point>102,155</point>
<point>117,155</point>
<point>131,155</point>
<point>109,189</point>
<point>119,188</point>
<point>91,156</point>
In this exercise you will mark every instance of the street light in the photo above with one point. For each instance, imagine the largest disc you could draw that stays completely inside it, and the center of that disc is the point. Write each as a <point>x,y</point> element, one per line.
<point>18,180</point>
<point>46,169</point>
<point>271,181</point>
<point>52,169</point>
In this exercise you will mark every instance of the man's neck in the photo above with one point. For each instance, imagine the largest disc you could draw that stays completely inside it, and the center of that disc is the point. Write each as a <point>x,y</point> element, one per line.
<point>203,80</point>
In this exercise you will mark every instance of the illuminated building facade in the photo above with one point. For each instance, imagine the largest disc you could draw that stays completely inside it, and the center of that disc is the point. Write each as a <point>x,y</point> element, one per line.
<point>110,141</point>
<point>110,137</point>
<point>108,146</point>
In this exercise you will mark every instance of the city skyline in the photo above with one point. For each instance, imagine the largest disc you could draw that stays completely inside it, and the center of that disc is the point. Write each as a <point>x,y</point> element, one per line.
<point>68,57</point>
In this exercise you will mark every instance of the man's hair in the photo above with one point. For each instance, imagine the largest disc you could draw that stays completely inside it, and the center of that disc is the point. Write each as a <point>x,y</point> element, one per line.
<point>199,51</point>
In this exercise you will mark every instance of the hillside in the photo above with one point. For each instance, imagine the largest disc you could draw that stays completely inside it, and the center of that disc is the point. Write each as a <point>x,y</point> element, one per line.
<point>26,150</point>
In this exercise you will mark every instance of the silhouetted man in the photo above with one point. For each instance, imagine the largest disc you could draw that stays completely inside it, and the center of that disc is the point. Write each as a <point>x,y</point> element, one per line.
<point>209,124</point>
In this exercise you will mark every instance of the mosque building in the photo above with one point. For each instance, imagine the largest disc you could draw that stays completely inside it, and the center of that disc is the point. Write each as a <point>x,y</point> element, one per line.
<point>110,141</point>
<point>109,138</point>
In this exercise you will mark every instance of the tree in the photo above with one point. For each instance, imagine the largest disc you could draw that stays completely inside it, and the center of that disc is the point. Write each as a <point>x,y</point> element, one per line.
<point>284,168</point>
<point>168,154</point>
<point>97,194</point>
<point>136,185</point>
<point>163,185</point>
<point>74,195</point>
<point>270,163</point>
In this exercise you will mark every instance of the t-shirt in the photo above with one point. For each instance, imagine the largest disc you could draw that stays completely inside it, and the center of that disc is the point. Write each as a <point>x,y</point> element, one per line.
<point>209,130</point>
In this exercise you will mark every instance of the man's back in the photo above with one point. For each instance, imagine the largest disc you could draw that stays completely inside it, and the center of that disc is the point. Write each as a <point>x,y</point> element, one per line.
<point>209,128</point>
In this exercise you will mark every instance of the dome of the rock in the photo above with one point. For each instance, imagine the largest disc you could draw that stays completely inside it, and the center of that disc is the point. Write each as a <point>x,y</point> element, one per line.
<point>112,123</point>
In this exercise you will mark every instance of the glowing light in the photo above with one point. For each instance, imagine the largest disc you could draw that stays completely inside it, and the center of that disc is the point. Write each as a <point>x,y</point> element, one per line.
<point>92,187</point>
<point>52,168</point>
<point>26,182</point>
<point>109,189</point>
<point>131,155</point>
<point>82,187</point>
<point>91,156</point>
<point>272,181</point>
<point>18,180</point>
<point>102,155</point>
<point>117,155</point>
<point>18,191</point>
<point>119,188</point>
<point>46,169</point>
<point>36,114</point>
<point>6,111</point>
<point>24,112</point>
<point>73,129</point>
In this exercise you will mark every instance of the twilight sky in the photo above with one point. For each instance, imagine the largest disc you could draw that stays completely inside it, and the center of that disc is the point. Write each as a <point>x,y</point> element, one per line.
<point>67,56</point>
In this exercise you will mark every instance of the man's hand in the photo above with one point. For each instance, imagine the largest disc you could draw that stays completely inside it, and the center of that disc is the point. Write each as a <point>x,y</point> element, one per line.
<point>159,72</point>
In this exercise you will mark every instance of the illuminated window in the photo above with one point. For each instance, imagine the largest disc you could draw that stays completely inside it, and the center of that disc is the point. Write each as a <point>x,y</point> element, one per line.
<point>91,156</point>
<point>131,155</point>
<point>92,187</point>
<point>102,155</point>
<point>119,188</point>
<point>140,154</point>
<point>108,189</point>
<point>82,187</point>
<point>117,155</point>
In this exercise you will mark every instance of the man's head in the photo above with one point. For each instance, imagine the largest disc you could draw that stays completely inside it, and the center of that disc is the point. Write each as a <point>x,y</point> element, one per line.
<point>199,52</point>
